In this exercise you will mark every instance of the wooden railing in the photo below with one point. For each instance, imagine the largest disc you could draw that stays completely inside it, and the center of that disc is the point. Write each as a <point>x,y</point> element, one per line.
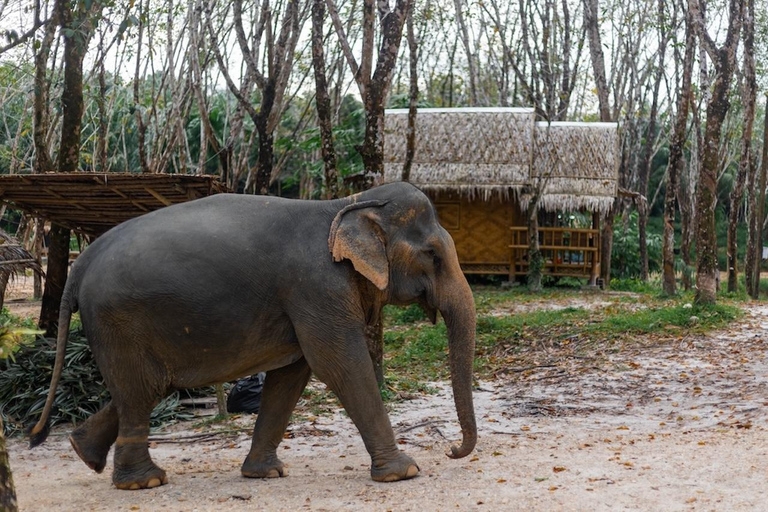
<point>566,251</point>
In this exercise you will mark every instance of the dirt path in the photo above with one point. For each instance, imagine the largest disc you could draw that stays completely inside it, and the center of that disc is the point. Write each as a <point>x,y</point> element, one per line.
<point>675,427</point>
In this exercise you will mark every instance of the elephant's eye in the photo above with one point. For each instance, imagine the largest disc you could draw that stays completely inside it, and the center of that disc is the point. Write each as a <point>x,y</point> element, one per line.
<point>434,257</point>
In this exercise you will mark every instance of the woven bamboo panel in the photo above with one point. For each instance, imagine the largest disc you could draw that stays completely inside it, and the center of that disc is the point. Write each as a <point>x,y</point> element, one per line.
<point>480,229</point>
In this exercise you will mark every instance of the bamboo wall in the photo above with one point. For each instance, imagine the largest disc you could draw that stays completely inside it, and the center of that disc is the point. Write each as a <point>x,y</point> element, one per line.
<point>480,230</point>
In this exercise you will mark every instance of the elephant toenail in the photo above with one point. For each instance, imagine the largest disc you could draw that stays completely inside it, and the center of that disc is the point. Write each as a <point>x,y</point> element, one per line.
<point>154,482</point>
<point>134,486</point>
<point>412,471</point>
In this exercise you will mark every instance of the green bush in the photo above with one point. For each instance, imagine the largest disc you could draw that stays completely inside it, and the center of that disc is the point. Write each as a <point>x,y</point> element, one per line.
<point>625,257</point>
<point>24,384</point>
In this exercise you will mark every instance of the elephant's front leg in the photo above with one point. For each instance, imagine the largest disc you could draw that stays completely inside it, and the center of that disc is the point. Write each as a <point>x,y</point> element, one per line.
<point>344,364</point>
<point>282,389</point>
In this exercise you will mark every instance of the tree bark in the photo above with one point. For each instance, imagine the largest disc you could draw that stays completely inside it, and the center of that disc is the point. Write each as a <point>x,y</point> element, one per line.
<point>717,108</point>
<point>8,501</point>
<point>645,168</point>
<point>55,279</point>
<point>323,101</point>
<point>77,29</point>
<point>760,220</point>
<point>676,160</point>
<point>535,259</point>
<point>43,162</point>
<point>749,96</point>
<point>592,28</point>
<point>413,96</point>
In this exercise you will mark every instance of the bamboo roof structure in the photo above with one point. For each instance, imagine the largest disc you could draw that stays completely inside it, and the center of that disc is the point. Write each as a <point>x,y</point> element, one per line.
<point>480,152</point>
<point>92,203</point>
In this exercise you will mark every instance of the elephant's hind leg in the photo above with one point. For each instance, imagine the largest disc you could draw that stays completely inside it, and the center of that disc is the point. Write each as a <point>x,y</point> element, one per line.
<point>134,468</point>
<point>93,439</point>
<point>137,382</point>
<point>282,389</point>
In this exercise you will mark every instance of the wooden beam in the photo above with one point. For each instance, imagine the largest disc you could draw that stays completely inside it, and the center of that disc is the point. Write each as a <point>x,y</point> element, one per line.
<point>157,196</point>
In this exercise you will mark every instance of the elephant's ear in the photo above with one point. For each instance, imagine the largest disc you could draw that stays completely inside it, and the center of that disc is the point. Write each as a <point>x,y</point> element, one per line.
<point>356,235</point>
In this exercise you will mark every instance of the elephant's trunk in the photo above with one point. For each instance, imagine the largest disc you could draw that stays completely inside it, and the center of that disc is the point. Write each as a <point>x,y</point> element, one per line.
<point>458,310</point>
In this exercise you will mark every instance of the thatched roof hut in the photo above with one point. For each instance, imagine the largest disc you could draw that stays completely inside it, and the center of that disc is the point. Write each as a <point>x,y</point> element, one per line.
<point>481,166</point>
<point>485,151</point>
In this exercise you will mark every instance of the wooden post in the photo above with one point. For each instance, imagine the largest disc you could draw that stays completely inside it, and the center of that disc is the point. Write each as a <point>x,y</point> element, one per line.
<point>595,271</point>
<point>221,399</point>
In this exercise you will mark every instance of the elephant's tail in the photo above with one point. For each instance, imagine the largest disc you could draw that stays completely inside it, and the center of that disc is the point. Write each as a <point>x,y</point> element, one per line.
<point>39,432</point>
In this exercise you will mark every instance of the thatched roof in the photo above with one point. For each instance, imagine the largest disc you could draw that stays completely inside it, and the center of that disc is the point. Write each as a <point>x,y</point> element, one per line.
<point>91,203</point>
<point>486,151</point>
<point>14,259</point>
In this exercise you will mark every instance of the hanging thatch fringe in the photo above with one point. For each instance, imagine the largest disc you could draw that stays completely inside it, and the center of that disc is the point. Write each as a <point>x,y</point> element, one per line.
<point>567,202</point>
<point>487,152</point>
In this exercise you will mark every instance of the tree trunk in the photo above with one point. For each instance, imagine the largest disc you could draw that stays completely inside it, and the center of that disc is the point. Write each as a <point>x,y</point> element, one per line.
<point>706,197</point>
<point>4,277</point>
<point>535,259</point>
<point>676,161</point>
<point>760,220</point>
<point>645,168</point>
<point>77,29</point>
<point>413,96</point>
<point>37,252</point>
<point>8,501</point>
<point>55,279</point>
<point>592,27</point>
<point>323,102</point>
<point>266,153</point>
<point>749,99</point>
<point>372,150</point>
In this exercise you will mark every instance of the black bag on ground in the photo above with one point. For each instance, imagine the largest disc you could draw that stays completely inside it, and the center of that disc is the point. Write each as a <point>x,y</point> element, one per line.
<point>245,395</point>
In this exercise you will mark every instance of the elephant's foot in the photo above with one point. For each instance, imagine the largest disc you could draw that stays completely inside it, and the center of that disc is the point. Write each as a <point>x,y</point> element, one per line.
<point>93,453</point>
<point>264,467</point>
<point>402,467</point>
<point>144,475</point>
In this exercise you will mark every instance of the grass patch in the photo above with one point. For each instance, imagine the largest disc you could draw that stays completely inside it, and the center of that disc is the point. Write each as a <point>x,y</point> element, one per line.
<point>416,352</point>
<point>667,319</point>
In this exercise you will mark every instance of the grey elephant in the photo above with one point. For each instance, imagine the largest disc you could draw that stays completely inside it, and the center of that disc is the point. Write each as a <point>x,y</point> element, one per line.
<point>230,285</point>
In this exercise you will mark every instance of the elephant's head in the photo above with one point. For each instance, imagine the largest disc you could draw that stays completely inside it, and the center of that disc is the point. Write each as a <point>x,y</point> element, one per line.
<point>392,236</point>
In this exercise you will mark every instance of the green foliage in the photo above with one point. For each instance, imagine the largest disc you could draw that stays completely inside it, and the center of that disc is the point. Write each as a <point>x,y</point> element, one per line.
<point>24,385</point>
<point>668,318</point>
<point>14,334</point>
<point>401,315</point>
<point>634,285</point>
<point>625,258</point>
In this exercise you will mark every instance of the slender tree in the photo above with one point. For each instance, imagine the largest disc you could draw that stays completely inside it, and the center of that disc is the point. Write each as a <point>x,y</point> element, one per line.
<point>676,159</point>
<point>323,100</point>
<point>749,98</point>
<point>724,61</point>
<point>77,27</point>
<point>373,82</point>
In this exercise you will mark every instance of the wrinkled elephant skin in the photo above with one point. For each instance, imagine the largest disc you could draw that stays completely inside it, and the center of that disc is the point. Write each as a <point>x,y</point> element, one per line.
<point>218,288</point>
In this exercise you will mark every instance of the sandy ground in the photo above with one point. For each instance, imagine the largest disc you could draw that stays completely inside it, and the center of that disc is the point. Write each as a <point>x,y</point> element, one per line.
<point>678,426</point>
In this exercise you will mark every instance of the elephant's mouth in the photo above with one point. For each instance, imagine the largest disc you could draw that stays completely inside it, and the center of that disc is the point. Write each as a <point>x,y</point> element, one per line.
<point>428,308</point>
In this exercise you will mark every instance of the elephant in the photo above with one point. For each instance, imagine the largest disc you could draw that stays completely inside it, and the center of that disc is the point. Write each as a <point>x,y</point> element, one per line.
<point>218,288</point>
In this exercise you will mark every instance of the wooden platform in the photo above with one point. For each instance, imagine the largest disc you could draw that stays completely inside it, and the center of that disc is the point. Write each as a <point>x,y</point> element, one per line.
<point>92,203</point>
